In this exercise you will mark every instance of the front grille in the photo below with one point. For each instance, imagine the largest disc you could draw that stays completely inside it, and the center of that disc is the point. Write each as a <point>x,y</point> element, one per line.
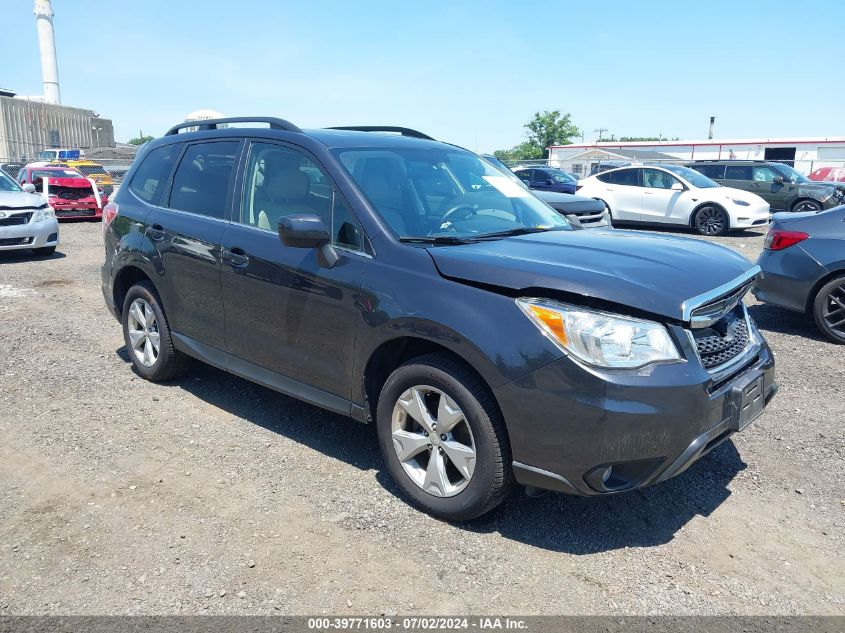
<point>16,220</point>
<point>724,340</point>
<point>61,213</point>
<point>15,241</point>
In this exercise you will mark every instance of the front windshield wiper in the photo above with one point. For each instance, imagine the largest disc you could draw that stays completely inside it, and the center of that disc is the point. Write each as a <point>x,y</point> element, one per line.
<point>523,230</point>
<point>435,239</point>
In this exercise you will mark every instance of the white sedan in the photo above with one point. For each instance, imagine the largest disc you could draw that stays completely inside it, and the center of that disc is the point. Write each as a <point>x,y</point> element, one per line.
<point>26,220</point>
<point>675,195</point>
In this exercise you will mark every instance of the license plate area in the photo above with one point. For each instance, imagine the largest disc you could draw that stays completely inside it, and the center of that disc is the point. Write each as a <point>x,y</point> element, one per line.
<point>749,400</point>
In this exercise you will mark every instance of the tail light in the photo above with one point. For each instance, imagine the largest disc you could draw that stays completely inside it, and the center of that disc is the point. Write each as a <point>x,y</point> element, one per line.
<point>109,214</point>
<point>777,239</point>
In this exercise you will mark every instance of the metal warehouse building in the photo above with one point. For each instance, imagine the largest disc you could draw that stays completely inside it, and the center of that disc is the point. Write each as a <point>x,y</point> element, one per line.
<point>805,154</point>
<point>29,126</point>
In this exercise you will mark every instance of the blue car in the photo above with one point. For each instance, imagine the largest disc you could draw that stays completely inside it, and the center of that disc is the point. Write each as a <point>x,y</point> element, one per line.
<point>546,179</point>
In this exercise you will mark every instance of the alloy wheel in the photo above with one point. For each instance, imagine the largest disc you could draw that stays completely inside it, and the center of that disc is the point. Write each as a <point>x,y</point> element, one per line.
<point>833,312</point>
<point>807,205</point>
<point>143,332</point>
<point>433,441</point>
<point>710,221</point>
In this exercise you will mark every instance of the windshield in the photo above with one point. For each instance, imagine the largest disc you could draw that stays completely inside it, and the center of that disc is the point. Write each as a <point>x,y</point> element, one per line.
<point>445,193</point>
<point>790,174</point>
<point>696,179</point>
<point>55,173</point>
<point>7,183</point>
<point>561,176</point>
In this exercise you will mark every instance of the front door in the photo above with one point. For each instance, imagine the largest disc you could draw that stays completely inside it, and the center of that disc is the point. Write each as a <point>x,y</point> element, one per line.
<point>187,238</point>
<point>764,183</point>
<point>286,311</point>
<point>660,203</point>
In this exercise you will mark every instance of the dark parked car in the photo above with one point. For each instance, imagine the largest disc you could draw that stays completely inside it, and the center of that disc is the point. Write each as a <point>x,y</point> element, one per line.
<point>587,213</point>
<point>804,268</point>
<point>546,179</point>
<point>488,340</point>
<point>784,188</point>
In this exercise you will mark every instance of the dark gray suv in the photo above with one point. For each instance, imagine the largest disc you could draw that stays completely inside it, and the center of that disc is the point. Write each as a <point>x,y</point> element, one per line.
<point>397,280</point>
<point>784,188</point>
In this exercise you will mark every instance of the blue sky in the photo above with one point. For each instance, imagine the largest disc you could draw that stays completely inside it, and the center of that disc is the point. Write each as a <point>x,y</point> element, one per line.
<point>471,73</point>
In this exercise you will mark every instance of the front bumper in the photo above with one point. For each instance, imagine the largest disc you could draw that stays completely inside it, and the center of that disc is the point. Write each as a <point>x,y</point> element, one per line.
<point>752,216</point>
<point>585,431</point>
<point>31,235</point>
<point>84,209</point>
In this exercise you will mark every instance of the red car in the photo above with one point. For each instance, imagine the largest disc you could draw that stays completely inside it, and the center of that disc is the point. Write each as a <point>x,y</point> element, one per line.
<point>829,174</point>
<point>70,193</point>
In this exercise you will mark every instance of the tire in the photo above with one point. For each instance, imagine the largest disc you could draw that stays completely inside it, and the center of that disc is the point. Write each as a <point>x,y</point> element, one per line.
<point>166,362</point>
<point>711,220</point>
<point>44,251</point>
<point>481,428</point>
<point>829,310</point>
<point>806,205</point>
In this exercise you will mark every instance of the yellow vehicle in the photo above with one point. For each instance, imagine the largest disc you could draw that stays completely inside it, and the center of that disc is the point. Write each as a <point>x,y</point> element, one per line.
<point>92,170</point>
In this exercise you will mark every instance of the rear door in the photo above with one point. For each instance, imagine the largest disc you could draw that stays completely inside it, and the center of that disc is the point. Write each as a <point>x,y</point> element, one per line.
<point>739,177</point>
<point>624,193</point>
<point>187,231</point>
<point>286,310</point>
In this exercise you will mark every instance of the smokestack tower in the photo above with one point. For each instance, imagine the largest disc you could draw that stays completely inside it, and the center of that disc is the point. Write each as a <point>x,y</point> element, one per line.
<point>712,125</point>
<point>47,46</point>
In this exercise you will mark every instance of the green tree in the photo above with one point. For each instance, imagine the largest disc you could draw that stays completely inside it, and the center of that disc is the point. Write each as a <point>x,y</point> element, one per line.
<point>140,140</point>
<point>524,151</point>
<point>551,128</point>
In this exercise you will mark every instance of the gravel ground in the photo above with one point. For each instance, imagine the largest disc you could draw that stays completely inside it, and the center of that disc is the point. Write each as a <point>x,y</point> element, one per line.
<point>214,495</point>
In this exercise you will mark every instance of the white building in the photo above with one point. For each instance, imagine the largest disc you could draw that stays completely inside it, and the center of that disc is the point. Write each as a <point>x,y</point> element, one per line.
<point>805,154</point>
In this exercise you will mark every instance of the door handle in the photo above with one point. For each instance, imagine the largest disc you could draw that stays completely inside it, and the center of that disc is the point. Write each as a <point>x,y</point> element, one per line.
<point>648,193</point>
<point>235,257</point>
<point>155,232</point>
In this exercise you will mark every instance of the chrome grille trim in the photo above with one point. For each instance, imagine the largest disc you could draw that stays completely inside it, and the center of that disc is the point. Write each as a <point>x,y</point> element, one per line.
<point>723,300</point>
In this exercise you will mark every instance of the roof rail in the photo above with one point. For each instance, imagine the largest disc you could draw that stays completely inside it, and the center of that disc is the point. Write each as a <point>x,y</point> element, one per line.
<point>212,124</point>
<point>404,131</point>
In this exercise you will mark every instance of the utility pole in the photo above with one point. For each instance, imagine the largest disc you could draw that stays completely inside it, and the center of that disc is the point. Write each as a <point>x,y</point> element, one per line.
<point>600,132</point>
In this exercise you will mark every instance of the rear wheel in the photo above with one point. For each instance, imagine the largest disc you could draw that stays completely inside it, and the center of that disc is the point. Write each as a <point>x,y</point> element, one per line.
<point>443,438</point>
<point>147,335</point>
<point>807,205</point>
<point>711,220</point>
<point>829,310</point>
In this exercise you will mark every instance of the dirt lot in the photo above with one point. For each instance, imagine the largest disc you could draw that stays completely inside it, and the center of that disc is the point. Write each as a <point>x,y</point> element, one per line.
<point>214,495</point>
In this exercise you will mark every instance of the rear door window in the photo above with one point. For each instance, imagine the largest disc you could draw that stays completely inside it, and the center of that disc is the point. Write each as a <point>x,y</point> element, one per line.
<point>738,172</point>
<point>716,172</point>
<point>201,182</point>
<point>629,177</point>
<point>151,175</point>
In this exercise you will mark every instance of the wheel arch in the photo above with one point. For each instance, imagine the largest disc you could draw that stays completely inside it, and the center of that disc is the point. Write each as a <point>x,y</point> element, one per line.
<point>801,199</point>
<point>390,354</point>
<point>125,278</point>
<point>811,296</point>
<point>707,203</point>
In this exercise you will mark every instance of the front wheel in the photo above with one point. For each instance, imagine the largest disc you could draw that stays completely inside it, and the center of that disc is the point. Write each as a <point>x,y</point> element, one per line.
<point>807,205</point>
<point>711,220</point>
<point>443,438</point>
<point>829,310</point>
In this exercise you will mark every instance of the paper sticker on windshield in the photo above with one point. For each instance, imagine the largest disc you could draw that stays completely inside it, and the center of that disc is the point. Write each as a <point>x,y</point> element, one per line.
<point>507,186</point>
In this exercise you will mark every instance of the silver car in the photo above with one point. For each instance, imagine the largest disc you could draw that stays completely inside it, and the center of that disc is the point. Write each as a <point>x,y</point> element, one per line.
<point>27,221</point>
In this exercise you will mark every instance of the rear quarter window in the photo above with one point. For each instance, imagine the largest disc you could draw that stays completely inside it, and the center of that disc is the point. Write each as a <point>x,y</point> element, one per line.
<point>151,175</point>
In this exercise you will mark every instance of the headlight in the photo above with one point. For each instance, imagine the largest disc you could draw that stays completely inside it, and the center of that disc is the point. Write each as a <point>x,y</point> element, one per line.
<point>45,214</point>
<point>600,338</point>
<point>741,203</point>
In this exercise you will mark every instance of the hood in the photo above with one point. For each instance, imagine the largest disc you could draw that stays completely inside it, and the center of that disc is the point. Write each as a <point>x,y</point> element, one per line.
<point>646,271</point>
<point>569,201</point>
<point>735,194</point>
<point>20,200</point>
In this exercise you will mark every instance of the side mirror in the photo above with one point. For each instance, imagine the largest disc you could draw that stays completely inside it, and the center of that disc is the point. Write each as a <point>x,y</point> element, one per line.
<point>550,182</point>
<point>307,230</point>
<point>676,186</point>
<point>778,180</point>
<point>29,187</point>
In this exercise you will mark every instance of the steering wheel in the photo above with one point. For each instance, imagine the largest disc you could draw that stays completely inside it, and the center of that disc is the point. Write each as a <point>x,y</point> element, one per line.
<point>454,209</point>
